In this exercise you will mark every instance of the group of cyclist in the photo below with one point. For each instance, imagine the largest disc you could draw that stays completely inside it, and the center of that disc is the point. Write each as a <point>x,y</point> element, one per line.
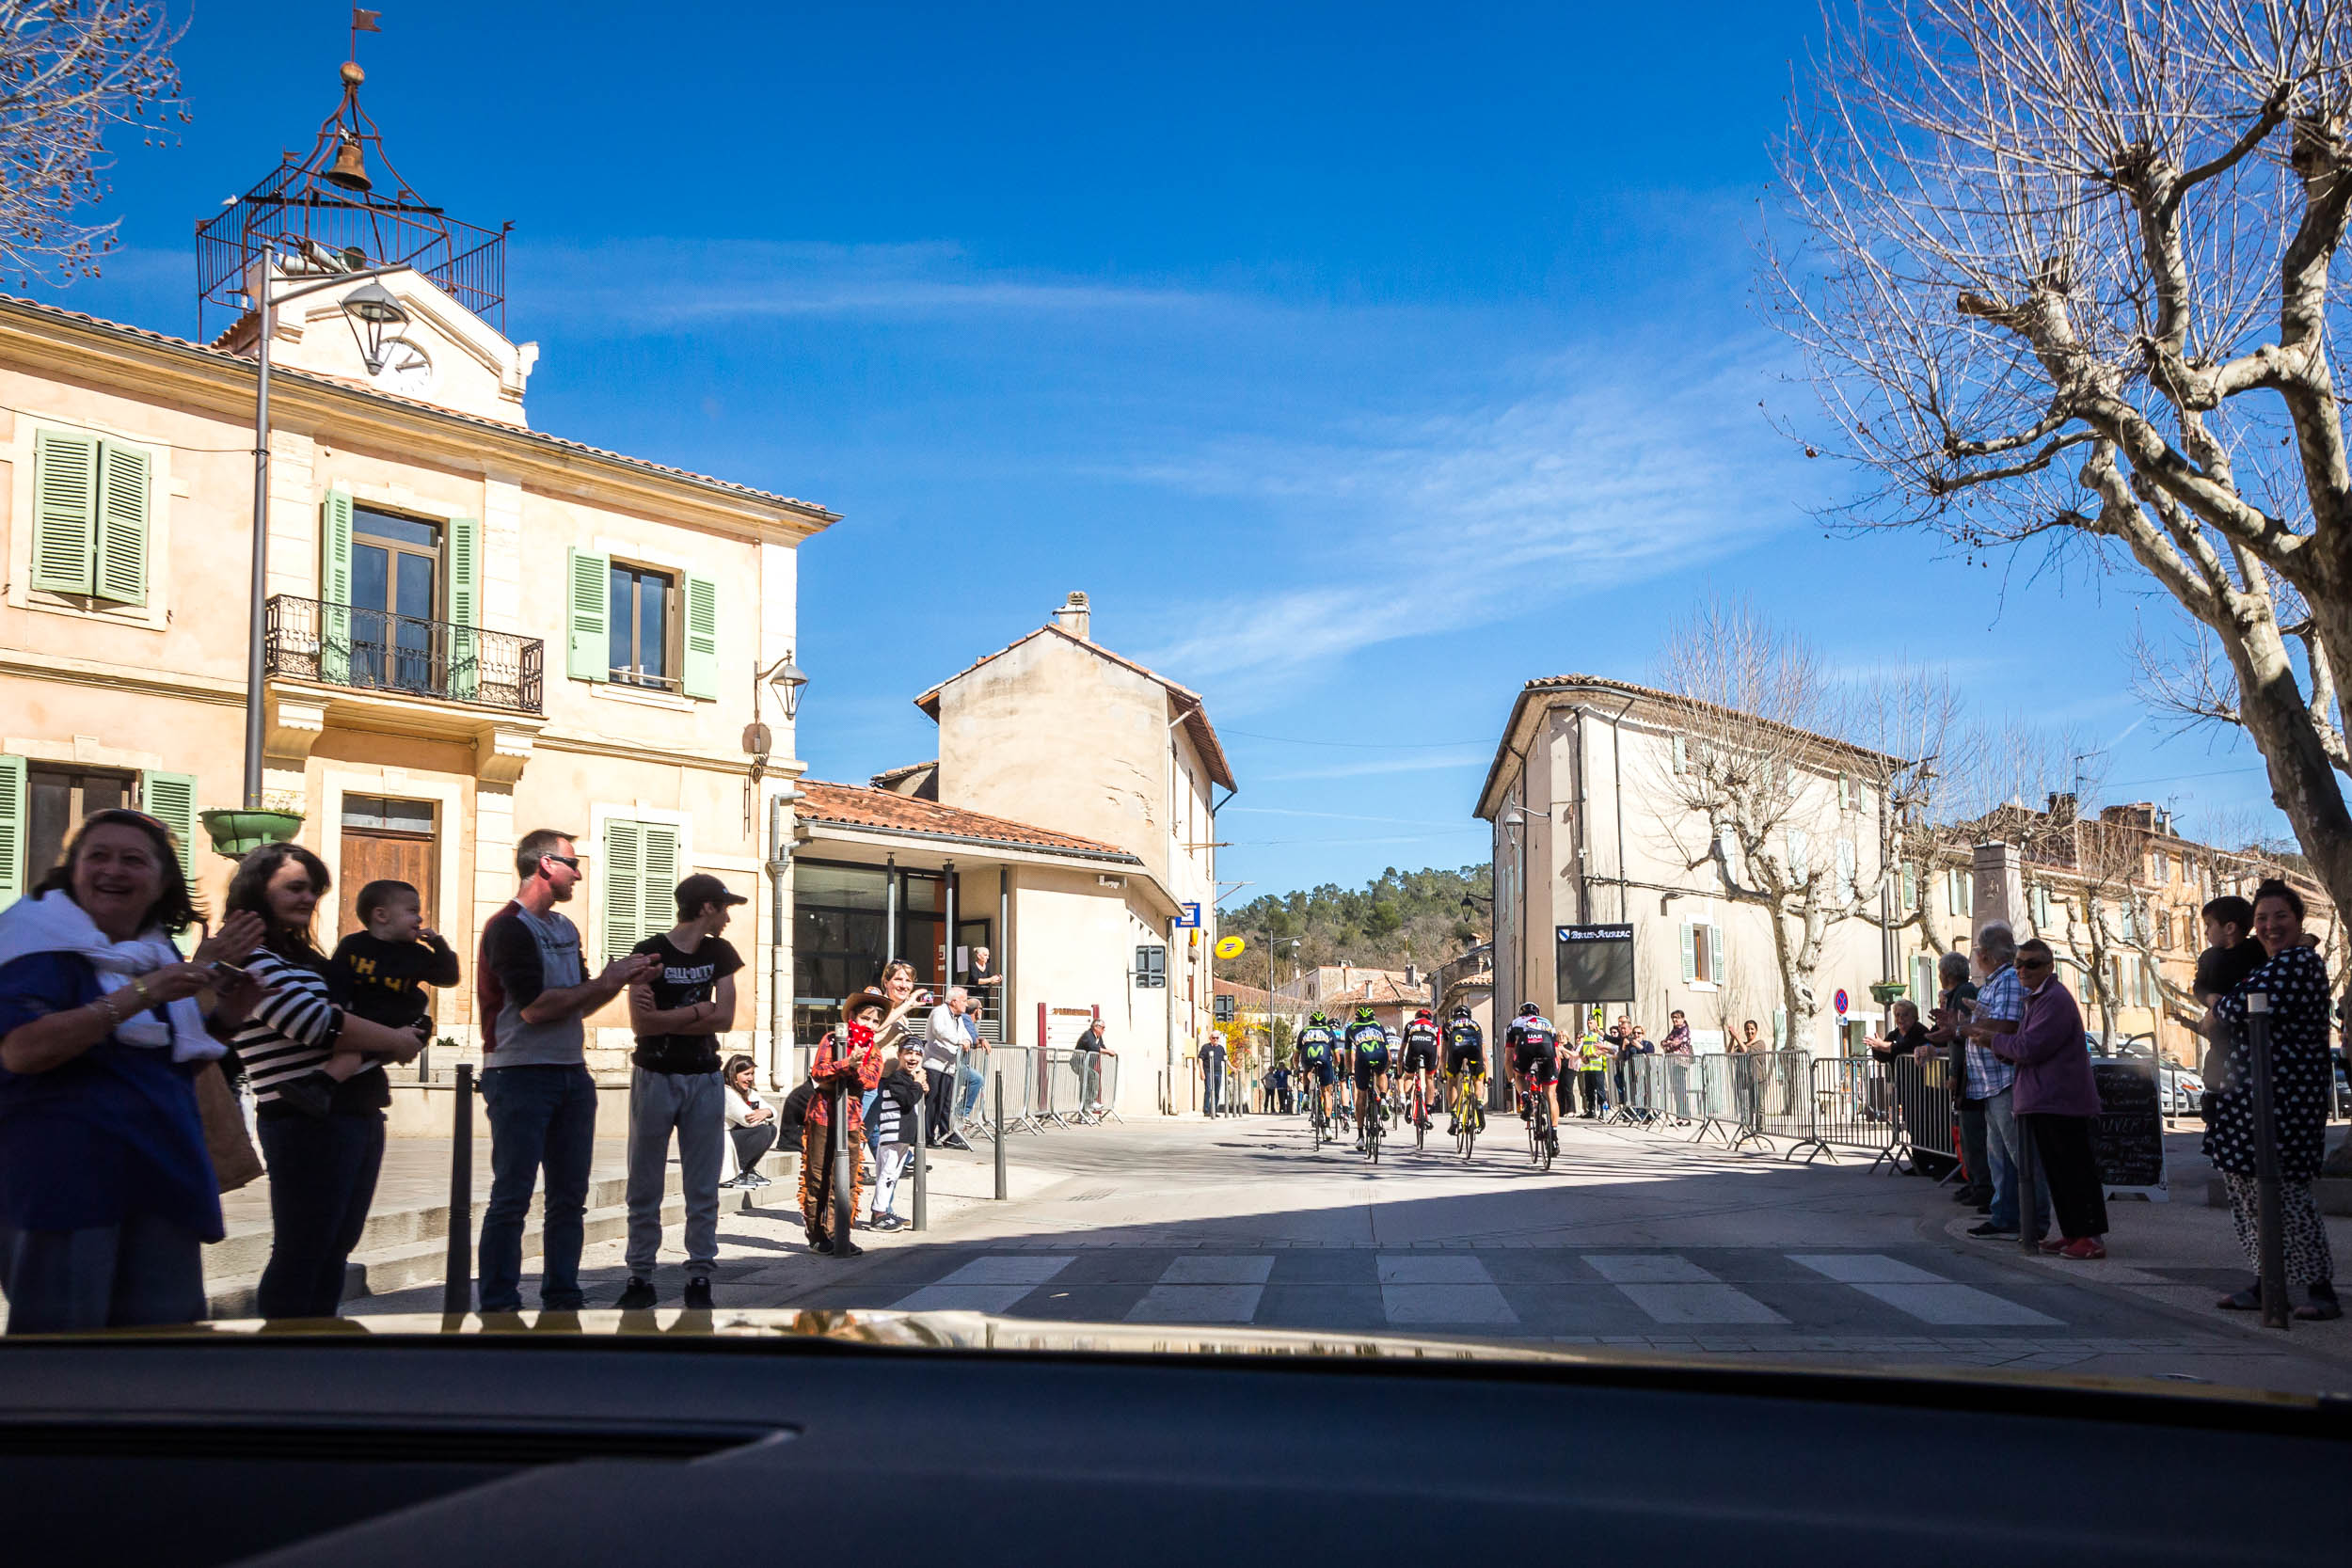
<point>1359,1055</point>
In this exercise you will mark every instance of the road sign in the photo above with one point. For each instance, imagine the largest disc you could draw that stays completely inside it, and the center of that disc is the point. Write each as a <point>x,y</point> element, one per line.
<point>1188,916</point>
<point>1842,1008</point>
<point>1593,963</point>
<point>1229,948</point>
<point>1225,1009</point>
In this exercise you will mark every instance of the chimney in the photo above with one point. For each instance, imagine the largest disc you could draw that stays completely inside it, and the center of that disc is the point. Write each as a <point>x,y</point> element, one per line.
<point>1073,616</point>
<point>2062,807</point>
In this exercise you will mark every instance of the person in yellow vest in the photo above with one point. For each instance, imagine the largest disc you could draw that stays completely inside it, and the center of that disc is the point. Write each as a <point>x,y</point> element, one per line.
<point>1592,1071</point>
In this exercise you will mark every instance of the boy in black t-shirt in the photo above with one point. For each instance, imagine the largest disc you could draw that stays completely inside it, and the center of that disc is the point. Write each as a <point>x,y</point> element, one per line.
<point>2231,955</point>
<point>378,974</point>
<point>678,1011</point>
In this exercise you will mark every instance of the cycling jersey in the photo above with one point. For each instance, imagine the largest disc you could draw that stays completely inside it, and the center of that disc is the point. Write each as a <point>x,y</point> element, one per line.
<point>1368,1044</point>
<point>1421,1046</point>
<point>1465,1046</point>
<point>1533,1039</point>
<point>1316,1042</point>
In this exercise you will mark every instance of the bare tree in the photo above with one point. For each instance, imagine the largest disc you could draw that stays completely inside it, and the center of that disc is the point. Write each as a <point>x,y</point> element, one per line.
<point>71,70</point>
<point>1775,801</point>
<point>2066,270</point>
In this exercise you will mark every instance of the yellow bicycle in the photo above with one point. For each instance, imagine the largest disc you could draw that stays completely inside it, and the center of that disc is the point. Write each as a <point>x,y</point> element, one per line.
<point>1469,1111</point>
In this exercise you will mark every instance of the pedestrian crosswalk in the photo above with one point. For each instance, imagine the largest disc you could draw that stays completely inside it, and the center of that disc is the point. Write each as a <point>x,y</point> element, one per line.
<point>1556,1292</point>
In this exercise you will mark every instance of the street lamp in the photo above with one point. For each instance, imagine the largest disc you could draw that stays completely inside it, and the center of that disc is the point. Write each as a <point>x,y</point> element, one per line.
<point>370,309</point>
<point>787,678</point>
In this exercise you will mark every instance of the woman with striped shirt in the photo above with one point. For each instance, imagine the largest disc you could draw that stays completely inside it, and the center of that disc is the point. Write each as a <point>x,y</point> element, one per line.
<point>322,1168</point>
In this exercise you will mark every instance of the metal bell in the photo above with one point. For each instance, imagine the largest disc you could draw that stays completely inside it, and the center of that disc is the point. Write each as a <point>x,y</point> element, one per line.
<point>349,169</point>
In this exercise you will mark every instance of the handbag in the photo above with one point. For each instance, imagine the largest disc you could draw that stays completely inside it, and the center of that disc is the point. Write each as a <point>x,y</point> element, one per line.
<point>235,1163</point>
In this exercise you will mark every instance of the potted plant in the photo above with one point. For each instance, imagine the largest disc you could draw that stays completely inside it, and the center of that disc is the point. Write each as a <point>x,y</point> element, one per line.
<point>1887,992</point>
<point>237,833</point>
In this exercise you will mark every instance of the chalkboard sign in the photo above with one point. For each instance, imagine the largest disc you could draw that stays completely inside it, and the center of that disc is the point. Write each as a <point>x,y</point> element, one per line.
<point>2128,1135</point>
<point>1595,963</point>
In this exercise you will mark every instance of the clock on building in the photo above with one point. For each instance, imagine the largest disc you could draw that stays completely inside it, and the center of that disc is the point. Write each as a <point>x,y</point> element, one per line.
<point>407,370</point>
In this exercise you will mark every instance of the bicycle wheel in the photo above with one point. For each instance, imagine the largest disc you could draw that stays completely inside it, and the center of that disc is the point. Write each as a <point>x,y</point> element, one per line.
<point>1421,1122</point>
<point>1546,1119</point>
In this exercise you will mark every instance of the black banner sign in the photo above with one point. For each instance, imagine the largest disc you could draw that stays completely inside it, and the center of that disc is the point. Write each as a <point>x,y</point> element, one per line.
<point>2128,1134</point>
<point>1595,963</point>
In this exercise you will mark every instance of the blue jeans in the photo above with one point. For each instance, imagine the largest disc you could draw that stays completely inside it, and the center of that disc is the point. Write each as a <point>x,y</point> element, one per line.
<point>969,1079</point>
<point>2004,1140</point>
<point>539,1116</point>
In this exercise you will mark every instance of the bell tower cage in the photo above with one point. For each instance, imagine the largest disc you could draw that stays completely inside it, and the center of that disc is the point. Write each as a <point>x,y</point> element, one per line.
<point>325,214</point>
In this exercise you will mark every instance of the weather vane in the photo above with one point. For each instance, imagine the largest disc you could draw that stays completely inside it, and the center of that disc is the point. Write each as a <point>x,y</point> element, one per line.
<point>362,22</point>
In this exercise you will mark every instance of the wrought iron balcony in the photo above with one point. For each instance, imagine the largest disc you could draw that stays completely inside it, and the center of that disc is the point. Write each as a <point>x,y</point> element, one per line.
<point>372,650</point>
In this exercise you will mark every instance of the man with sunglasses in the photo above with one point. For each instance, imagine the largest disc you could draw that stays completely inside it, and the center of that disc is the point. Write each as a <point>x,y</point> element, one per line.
<point>2000,1009</point>
<point>533,1000</point>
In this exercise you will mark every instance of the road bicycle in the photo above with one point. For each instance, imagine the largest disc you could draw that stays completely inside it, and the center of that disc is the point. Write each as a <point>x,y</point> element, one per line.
<point>1418,1105</point>
<point>1376,1118</point>
<point>1539,1126</point>
<point>1317,1117</point>
<point>1469,1115</point>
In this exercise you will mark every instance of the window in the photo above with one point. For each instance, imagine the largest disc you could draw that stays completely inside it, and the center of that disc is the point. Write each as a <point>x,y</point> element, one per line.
<point>1798,864</point>
<point>40,803</point>
<point>2040,908</point>
<point>1151,967</point>
<point>2159,867</point>
<point>1847,869</point>
<point>1910,889</point>
<point>640,625</point>
<point>1923,989</point>
<point>1701,953</point>
<point>395,598</point>
<point>90,499</point>
<point>1960,892</point>
<point>638,869</point>
<point>1848,792</point>
<point>2163,928</point>
<point>639,622</point>
<point>1681,754</point>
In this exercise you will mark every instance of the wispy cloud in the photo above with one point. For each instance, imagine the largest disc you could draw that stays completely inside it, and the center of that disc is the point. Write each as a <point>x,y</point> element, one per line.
<point>1609,469</point>
<point>1382,765</point>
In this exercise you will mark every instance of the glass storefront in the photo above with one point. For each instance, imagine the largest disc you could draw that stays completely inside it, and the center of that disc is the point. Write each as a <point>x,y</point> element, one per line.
<point>842,933</point>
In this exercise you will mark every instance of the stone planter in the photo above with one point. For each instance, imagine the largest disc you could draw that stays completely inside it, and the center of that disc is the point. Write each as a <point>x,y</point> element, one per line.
<point>238,834</point>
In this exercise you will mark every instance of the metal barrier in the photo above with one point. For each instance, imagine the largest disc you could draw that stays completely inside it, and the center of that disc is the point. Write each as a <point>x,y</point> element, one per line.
<point>1076,1086</point>
<point>1927,1113</point>
<point>1852,1108</point>
<point>1016,1064</point>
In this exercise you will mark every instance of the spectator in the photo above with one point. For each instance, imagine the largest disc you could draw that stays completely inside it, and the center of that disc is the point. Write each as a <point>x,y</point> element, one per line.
<point>2056,1101</point>
<point>902,1088</point>
<point>1909,1035</point>
<point>106,1193</point>
<point>1087,1054</point>
<point>897,983</point>
<point>1747,1074</point>
<point>2231,955</point>
<point>1279,1086</point>
<point>1954,1007</point>
<point>2295,978</point>
<point>946,1034</point>
<point>323,1160</point>
<point>2000,1006</point>
<point>751,1123</point>
<point>1593,1066</point>
<point>1212,1061</point>
<point>533,996</point>
<point>847,1067</point>
<point>379,973</point>
<point>972,1072</point>
<point>984,983</point>
<point>1678,1051</point>
<point>676,1009</point>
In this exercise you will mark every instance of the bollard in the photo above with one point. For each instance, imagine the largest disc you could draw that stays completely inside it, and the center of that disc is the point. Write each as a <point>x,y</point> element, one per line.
<point>922,1163</point>
<point>2269,1232</point>
<point>844,1173</point>
<point>1000,1136</point>
<point>457,1274</point>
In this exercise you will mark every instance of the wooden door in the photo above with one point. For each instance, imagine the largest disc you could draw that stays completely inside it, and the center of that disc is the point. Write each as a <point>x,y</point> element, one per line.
<point>371,855</point>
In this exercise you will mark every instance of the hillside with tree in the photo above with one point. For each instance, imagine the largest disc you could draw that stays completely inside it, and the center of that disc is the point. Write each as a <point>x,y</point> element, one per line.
<point>1398,918</point>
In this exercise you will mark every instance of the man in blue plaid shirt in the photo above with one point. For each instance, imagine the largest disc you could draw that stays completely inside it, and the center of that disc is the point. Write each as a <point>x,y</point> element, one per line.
<point>2000,1006</point>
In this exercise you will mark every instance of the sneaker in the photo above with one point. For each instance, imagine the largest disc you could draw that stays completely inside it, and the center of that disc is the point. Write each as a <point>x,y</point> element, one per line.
<point>1988,1231</point>
<point>697,1298</point>
<point>312,1094</point>
<point>2052,1243</point>
<point>732,1182</point>
<point>847,1249</point>
<point>2082,1248</point>
<point>955,1140</point>
<point>638,1296</point>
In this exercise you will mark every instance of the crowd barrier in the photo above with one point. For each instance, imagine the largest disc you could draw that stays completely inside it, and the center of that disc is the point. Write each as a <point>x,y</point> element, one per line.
<point>1894,1110</point>
<point>1018,1066</point>
<point>1076,1088</point>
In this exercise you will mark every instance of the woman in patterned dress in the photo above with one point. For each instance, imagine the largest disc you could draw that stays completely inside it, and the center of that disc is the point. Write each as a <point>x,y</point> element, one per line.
<point>2295,978</point>
<point>850,1058</point>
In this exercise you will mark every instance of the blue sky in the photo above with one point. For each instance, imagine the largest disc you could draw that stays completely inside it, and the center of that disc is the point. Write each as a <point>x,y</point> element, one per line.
<point>1360,361</point>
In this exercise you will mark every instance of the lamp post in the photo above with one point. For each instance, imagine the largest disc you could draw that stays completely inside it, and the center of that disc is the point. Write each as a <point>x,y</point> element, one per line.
<point>370,309</point>
<point>784,677</point>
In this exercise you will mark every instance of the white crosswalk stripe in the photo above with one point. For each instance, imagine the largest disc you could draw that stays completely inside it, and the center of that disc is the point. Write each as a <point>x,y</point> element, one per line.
<point>1198,1289</point>
<point>1435,1288</point>
<point>989,1283</point>
<point>1929,1298</point>
<point>1674,1289</point>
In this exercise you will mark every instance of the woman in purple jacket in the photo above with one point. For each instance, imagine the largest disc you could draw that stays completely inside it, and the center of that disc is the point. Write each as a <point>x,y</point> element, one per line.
<point>2057,1099</point>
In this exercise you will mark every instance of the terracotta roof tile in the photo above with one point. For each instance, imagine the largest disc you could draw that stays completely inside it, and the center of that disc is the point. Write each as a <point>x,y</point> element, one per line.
<point>849,806</point>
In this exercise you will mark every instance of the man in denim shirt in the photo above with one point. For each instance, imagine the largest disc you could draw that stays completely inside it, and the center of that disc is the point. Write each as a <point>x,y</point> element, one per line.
<point>2000,1007</point>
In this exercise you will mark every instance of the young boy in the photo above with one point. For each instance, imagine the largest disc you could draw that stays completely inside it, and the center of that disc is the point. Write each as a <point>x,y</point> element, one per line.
<point>380,974</point>
<point>902,1087</point>
<point>2231,955</point>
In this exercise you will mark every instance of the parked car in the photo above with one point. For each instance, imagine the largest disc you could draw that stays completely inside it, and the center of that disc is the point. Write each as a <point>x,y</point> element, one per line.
<point>2181,1090</point>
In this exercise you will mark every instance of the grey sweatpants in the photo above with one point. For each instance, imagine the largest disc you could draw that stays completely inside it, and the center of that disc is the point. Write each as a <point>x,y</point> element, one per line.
<point>694,1103</point>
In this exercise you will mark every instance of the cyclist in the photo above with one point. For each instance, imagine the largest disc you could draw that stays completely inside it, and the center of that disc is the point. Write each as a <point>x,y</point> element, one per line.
<point>1534,1047</point>
<point>1367,1047</point>
<point>1465,1066</point>
<point>1396,1046</point>
<point>1317,1044</point>
<point>1419,1056</point>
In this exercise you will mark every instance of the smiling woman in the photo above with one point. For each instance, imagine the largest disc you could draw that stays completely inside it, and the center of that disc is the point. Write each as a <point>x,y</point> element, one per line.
<point>106,1193</point>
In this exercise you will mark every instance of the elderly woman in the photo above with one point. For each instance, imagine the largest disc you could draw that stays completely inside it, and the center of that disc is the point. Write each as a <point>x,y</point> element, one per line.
<point>2295,978</point>
<point>2057,1099</point>
<point>106,1193</point>
<point>323,1160</point>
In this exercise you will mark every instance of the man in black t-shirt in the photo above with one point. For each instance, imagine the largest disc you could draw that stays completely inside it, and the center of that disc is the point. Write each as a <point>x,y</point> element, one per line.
<point>677,1010</point>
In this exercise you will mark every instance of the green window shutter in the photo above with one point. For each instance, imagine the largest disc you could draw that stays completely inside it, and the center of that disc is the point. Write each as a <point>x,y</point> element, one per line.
<point>1689,953</point>
<point>335,586</point>
<point>702,637</point>
<point>64,511</point>
<point>12,826</point>
<point>1681,754</point>
<point>171,799</point>
<point>657,879</point>
<point>588,583</point>
<point>621,876</point>
<point>124,495</point>
<point>1780,1028</point>
<point>464,606</point>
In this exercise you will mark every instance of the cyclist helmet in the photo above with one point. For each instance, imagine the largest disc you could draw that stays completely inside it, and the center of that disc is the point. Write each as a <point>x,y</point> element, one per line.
<point>1363,1015</point>
<point>1421,1016</point>
<point>1317,1018</point>
<point>1529,1010</point>
<point>1460,1011</point>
